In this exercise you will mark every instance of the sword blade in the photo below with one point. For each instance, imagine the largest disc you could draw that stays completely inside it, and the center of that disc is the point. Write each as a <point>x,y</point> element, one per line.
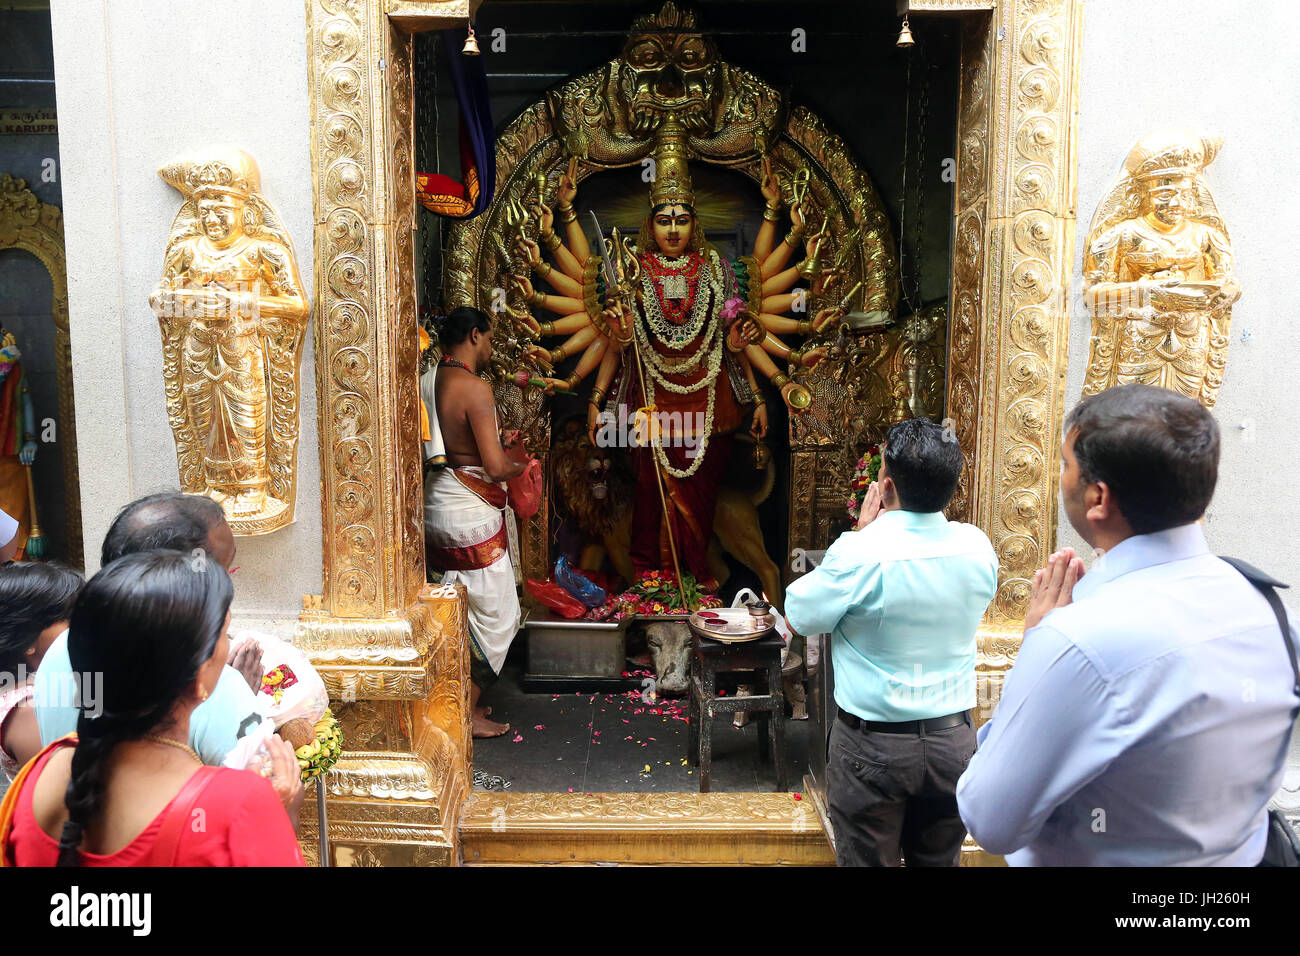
<point>606,261</point>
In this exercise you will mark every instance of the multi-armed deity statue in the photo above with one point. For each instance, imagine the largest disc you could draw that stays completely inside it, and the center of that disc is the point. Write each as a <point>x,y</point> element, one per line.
<point>233,313</point>
<point>688,329</point>
<point>667,321</point>
<point>1158,273</point>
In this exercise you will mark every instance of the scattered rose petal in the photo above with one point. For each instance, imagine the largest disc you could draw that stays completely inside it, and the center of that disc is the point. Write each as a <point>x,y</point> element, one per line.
<point>519,738</point>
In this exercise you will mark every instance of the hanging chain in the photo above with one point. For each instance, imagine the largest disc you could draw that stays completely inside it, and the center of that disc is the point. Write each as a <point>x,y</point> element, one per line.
<point>922,159</point>
<point>426,137</point>
<point>902,178</point>
<point>911,207</point>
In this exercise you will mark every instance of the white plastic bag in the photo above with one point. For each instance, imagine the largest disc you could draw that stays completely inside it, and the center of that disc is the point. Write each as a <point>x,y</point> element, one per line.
<point>251,745</point>
<point>291,687</point>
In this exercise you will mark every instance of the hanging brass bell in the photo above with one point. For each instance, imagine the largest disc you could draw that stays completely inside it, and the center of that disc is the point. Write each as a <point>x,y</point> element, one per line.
<point>905,36</point>
<point>471,43</point>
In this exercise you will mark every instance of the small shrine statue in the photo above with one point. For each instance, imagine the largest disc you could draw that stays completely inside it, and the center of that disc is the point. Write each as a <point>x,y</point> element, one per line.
<point>17,438</point>
<point>1158,275</point>
<point>686,332</point>
<point>232,312</point>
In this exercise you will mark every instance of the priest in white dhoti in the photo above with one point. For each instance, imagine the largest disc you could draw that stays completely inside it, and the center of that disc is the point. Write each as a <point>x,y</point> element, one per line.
<point>468,524</point>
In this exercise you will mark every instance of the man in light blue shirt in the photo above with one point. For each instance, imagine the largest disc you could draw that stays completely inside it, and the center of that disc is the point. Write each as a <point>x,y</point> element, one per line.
<point>194,525</point>
<point>1147,716</point>
<point>901,596</point>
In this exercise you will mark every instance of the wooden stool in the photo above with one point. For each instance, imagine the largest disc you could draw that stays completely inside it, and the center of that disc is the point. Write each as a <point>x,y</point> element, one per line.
<point>710,658</point>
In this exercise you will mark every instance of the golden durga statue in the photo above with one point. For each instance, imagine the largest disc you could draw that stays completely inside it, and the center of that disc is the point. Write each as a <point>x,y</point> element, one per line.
<point>1158,275</point>
<point>232,312</point>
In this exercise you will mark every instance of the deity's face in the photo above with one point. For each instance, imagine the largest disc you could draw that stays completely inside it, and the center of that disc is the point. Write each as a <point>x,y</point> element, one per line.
<point>1168,199</point>
<point>222,217</point>
<point>672,227</point>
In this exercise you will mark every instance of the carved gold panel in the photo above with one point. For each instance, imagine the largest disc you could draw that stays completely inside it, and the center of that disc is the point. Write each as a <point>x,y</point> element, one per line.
<point>1012,259</point>
<point>1158,273</point>
<point>233,315</point>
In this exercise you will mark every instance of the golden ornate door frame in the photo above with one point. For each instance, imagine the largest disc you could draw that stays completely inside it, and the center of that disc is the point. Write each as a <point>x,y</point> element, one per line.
<point>381,637</point>
<point>27,223</point>
<point>1013,254</point>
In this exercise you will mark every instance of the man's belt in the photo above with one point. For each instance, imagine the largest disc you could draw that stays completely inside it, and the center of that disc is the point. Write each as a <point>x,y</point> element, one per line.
<point>928,726</point>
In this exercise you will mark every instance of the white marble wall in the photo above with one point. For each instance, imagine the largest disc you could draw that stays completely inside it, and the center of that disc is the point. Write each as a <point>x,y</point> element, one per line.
<point>139,84</point>
<point>1226,68</point>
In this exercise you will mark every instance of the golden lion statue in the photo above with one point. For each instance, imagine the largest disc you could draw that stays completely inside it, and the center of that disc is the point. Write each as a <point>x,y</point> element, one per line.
<point>598,497</point>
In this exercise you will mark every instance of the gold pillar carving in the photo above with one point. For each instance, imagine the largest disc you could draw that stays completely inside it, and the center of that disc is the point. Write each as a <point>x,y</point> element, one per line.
<point>27,223</point>
<point>1013,255</point>
<point>386,643</point>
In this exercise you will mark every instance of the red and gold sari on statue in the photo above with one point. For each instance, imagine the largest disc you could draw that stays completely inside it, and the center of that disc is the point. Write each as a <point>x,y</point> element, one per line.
<point>679,323</point>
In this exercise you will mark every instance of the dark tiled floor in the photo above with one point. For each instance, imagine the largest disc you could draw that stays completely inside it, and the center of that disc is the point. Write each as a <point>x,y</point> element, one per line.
<point>608,742</point>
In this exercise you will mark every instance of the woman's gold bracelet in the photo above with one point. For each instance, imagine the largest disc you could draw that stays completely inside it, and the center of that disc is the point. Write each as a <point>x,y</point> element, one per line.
<point>796,357</point>
<point>546,328</point>
<point>572,382</point>
<point>551,240</point>
<point>543,269</point>
<point>557,355</point>
<point>537,298</point>
<point>780,380</point>
<point>772,213</point>
<point>597,397</point>
<point>793,236</point>
<point>568,214</point>
<point>805,326</point>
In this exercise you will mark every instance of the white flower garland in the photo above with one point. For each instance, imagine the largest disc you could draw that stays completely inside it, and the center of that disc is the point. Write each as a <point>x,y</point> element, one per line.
<point>657,367</point>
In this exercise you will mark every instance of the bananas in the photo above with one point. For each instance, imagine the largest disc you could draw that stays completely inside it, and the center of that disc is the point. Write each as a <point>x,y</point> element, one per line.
<point>322,753</point>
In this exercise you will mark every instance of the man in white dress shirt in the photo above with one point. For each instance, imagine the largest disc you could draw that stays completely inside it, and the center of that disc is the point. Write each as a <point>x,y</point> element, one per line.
<point>1147,717</point>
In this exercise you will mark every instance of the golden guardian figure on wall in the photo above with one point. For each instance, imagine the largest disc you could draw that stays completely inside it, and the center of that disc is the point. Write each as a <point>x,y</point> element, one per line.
<point>1158,273</point>
<point>232,312</point>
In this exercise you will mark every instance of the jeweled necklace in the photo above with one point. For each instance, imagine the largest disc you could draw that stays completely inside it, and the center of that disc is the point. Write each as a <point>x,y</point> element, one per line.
<point>448,360</point>
<point>678,332</point>
<point>676,287</point>
<point>155,738</point>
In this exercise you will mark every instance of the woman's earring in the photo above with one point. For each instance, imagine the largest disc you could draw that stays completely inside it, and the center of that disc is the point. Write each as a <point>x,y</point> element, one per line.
<point>203,695</point>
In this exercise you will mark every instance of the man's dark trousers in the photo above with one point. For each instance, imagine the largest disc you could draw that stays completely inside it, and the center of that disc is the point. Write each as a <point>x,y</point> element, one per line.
<point>893,796</point>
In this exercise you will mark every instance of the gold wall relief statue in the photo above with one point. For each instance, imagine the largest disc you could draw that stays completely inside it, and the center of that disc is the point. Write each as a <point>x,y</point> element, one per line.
<point>232,312</point>
<point>1158,273</point>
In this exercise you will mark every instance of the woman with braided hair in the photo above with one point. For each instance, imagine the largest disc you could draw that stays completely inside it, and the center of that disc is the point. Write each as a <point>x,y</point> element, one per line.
<point>127,790</point>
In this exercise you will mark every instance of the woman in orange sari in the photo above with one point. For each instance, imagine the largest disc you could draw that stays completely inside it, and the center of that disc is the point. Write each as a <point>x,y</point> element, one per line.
<point>127,790</point>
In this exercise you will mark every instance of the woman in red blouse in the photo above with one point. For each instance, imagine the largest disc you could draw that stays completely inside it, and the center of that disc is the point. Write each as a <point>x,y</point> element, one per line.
<point>128,790</point>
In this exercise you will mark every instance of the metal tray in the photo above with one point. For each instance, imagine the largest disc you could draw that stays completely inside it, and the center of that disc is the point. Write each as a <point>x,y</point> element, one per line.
<point>738,629</point>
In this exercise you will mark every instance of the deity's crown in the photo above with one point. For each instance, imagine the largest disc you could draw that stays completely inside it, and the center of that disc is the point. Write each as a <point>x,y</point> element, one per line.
<point>1171,153</point>
<point>672,173</point>
<point>229,172</point>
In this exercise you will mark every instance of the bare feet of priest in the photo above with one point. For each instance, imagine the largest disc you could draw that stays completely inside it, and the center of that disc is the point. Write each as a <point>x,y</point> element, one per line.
<point>487,728</point>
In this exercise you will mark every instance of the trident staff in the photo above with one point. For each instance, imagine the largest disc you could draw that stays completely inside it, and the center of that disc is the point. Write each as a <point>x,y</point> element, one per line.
<point>621,270</point>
